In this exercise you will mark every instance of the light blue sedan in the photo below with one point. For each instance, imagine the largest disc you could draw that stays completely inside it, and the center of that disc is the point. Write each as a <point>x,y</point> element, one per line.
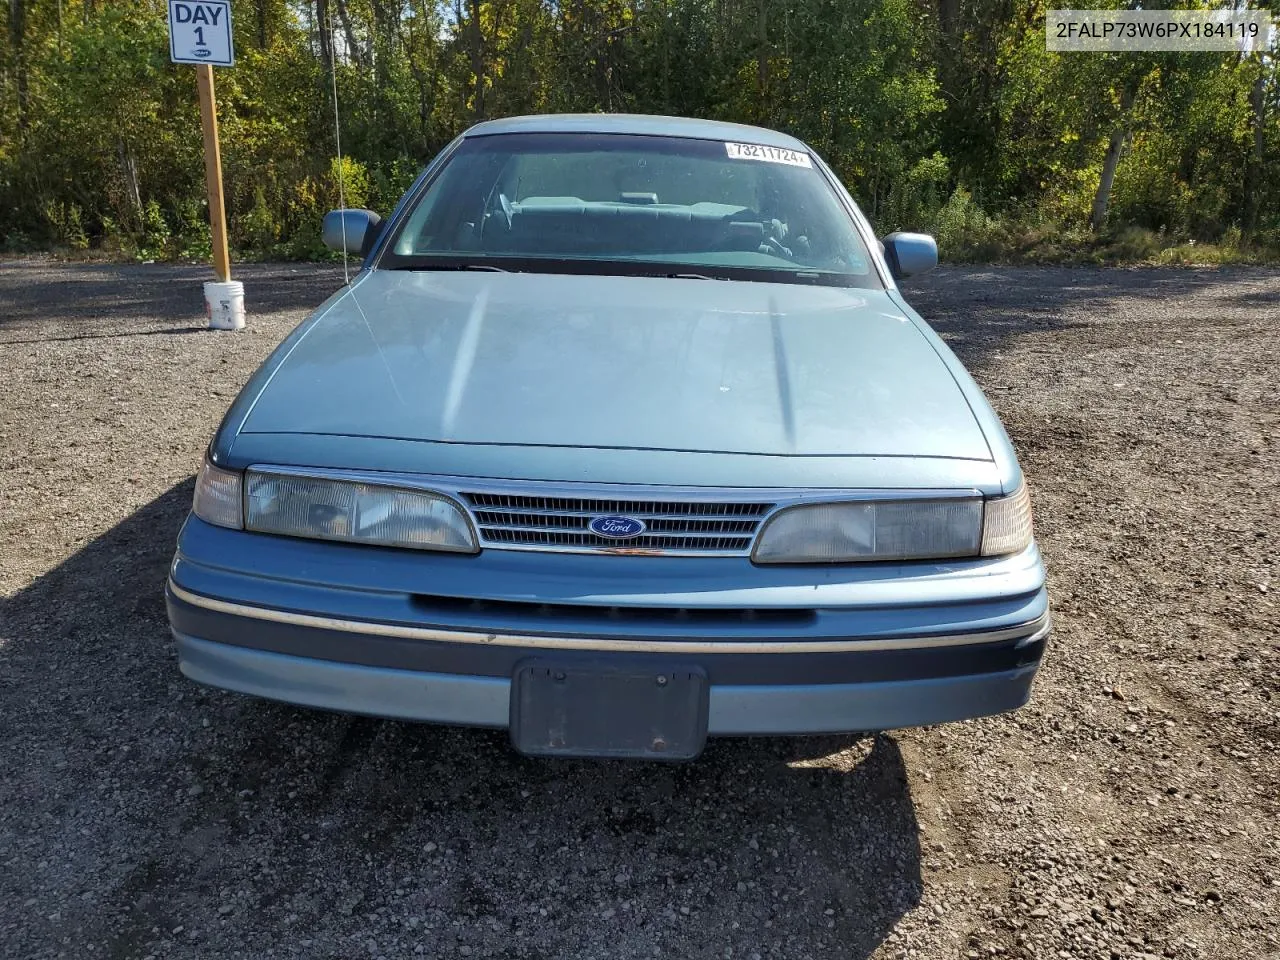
<point>622,437</point>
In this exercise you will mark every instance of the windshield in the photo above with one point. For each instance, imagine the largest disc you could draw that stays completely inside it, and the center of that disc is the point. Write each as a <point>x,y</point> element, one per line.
<point>634,205</point>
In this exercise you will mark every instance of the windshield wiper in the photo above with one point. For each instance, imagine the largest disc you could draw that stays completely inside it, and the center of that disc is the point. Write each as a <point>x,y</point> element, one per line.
<point>622,268</point>
<point>450,265</point>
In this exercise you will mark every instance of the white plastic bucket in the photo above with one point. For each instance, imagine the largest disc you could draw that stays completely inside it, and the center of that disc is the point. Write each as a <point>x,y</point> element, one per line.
<point>224,305</point>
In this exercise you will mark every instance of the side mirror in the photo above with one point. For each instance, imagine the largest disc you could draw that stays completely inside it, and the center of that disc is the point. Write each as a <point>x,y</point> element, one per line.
<point>910,253</point>
<point>362,228</point>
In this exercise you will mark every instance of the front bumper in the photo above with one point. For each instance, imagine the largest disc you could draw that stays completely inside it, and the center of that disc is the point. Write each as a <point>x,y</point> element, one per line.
<point>734,709</point>
<point>366,630</point>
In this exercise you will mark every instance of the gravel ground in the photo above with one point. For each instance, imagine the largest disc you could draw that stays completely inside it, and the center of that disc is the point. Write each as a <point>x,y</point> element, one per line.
<point>1131,810</point>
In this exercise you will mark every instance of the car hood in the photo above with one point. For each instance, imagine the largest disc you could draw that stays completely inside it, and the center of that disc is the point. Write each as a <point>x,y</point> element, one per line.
<point>630,363</point>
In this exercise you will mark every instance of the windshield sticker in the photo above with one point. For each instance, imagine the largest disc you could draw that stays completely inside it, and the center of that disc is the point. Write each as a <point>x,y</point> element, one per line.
<point>755,151</point>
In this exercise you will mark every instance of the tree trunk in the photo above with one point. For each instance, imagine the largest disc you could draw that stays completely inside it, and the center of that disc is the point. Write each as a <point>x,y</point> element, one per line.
<point>262,24</point>
<point>1253,168</point>
<point>475,49</point>
<point>425,75</point>
<point>354,51</point>
<point>762,60</point>
<point>383,40</point>
<point>129,171</point>
<point>1102,199</point>
<point>948,14</point>
<point>324,31</point>
<point>17,35</point>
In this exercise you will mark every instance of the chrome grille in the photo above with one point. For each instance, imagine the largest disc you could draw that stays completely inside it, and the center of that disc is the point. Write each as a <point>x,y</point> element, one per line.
<point>698,527</point>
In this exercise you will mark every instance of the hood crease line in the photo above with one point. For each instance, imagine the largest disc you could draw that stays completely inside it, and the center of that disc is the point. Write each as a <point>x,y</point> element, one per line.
<point>381,355</point>
<point>464,362</point>
<point>785,402</point>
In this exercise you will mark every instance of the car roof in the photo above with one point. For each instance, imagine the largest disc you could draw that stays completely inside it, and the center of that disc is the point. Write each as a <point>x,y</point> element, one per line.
<point>635,123</point>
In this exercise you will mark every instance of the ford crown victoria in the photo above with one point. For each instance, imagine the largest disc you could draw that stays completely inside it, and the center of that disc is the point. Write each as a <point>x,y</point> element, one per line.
<point>622,436</point>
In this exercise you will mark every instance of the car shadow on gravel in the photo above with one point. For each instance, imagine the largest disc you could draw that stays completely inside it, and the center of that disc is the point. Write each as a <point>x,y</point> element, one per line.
<point>244,825</point>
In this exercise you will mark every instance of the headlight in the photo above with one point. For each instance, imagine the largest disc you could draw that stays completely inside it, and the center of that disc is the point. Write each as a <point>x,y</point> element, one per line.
<point>872,530</point>
<point>217,498</point>
<point>353,511</point>
<point>1007,528</point>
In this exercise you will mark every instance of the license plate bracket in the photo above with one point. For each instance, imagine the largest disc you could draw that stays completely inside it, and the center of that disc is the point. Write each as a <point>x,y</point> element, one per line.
<point>607,709</point>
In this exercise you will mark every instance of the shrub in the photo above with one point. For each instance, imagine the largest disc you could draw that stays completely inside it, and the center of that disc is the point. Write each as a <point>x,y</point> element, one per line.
<point>154,233</point>
<point>388,186</point>
<point>964,231</point>
<point>258,229</point>
<point>115,241</point>
<point>914,202</point>
<point>1134,243</point>
<point>66,225</point>
<point>191,238</point>
<point>353,178</point>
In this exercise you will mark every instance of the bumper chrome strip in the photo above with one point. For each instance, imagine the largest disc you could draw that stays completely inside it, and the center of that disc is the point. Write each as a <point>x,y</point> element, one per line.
<point>1029,632</point>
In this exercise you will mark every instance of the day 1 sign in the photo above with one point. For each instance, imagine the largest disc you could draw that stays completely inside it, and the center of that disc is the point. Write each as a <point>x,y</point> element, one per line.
<point>200,32</point>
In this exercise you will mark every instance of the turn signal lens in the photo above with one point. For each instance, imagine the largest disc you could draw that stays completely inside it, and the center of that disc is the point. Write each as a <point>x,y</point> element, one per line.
<point>1006,527</point>
<point>218,497</point>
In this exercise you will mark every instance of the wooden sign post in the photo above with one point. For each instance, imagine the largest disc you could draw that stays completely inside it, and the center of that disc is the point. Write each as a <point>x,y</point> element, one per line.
<point>213,172</point>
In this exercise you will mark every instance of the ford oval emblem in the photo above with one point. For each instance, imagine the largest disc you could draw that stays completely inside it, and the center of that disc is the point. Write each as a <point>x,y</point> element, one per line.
<point>617,528</point>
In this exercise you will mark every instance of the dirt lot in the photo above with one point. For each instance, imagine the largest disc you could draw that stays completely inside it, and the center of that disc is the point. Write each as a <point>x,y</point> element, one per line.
<point>1130,810</point>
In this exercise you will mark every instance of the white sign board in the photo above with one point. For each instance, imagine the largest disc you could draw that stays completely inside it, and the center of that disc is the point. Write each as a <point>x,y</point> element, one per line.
<point>200,32</point>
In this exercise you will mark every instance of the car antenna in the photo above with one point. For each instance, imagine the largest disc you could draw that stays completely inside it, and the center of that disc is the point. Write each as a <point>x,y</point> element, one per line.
<point>337,142</point>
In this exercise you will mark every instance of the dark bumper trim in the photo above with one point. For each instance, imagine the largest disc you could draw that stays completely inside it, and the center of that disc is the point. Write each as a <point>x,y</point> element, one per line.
<point>755,709</point>
<point>445,651</point>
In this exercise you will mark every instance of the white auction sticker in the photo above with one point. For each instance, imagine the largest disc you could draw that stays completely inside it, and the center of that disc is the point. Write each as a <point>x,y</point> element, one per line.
<point>756,151</point>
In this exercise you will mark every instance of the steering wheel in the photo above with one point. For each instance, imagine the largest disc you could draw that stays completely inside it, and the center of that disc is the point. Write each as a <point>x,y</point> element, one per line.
<point>774,231</point>
<point>776,246</point>
<point>501,208</point>
<point>504,207</point>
